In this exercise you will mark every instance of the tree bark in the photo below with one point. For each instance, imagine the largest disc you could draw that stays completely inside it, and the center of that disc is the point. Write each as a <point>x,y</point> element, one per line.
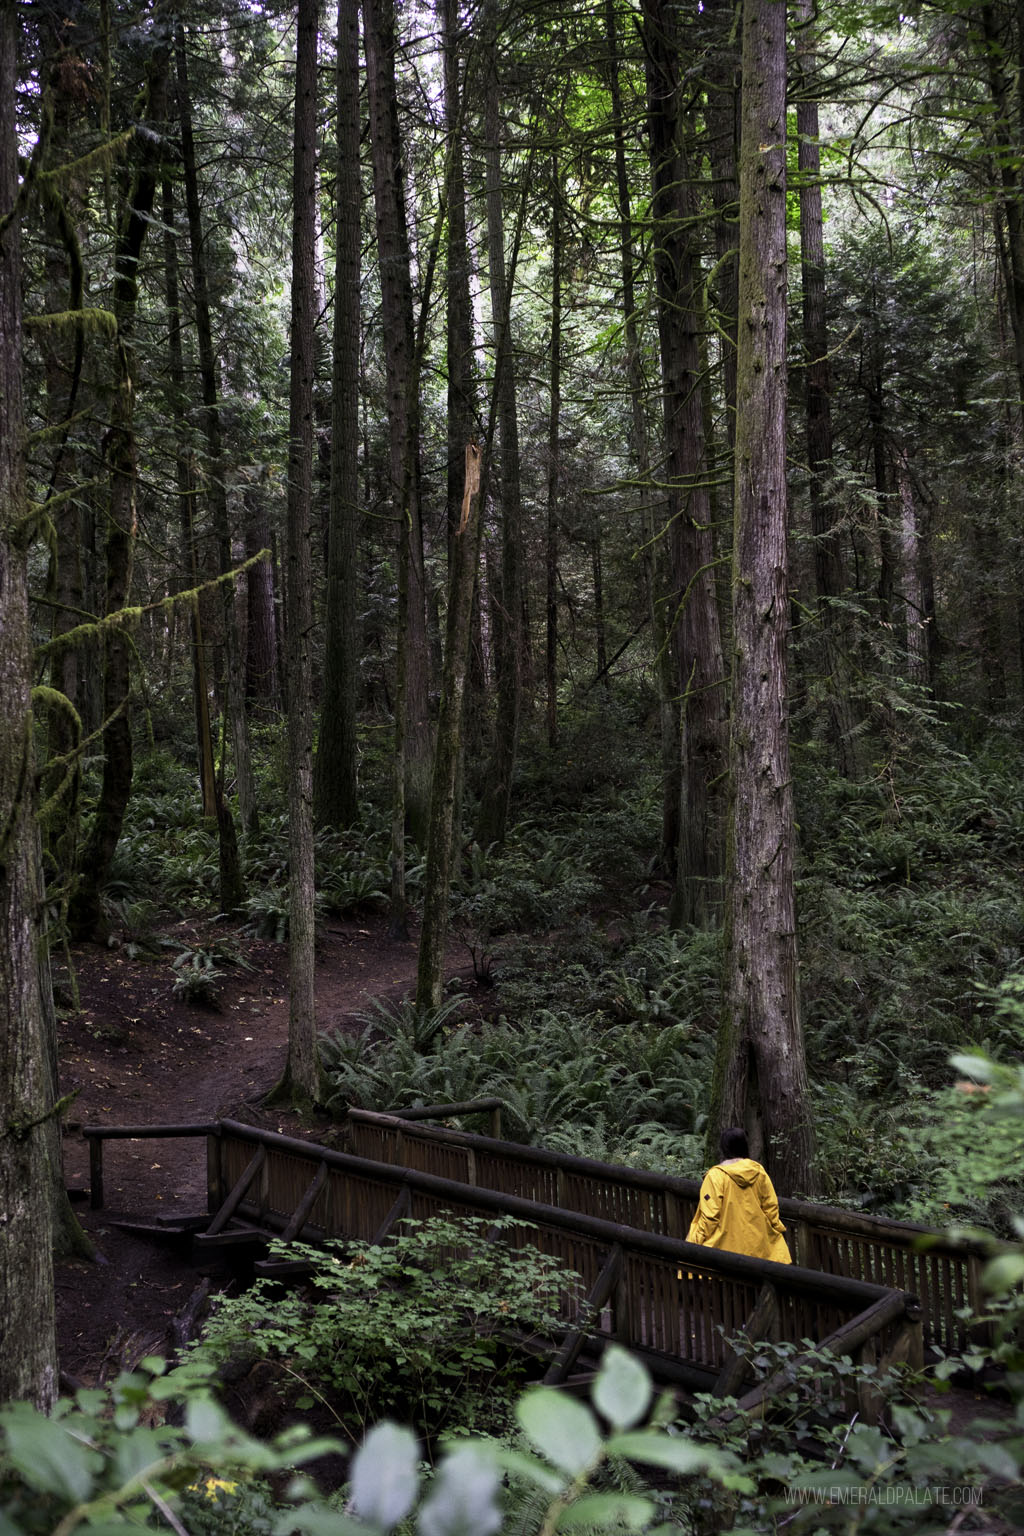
<point>656,579</point>
<point>403,402</point>
<point>696,636</point>
<point>262,693</point>
<point>28,1356</point>
<point>441,842</point>
<point>335,790</point>
<point>302,1081</point>
<point>828,555</point>
<point>508,593</point>
<point>217,493</point>
<point>85,915</point>
<point>183,475</point>
<point>761,1078</point>
<point>554,444</point>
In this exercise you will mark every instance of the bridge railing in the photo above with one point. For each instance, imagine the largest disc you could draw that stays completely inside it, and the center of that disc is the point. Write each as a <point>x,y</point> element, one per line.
<point>671,1302</point>
<point>944,1274</point>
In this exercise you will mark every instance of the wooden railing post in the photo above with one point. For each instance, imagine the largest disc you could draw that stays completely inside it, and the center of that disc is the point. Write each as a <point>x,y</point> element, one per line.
<point>215,1191</point>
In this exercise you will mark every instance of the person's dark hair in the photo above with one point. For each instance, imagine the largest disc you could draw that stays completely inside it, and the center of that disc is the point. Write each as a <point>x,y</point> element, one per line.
<point>733,1142</point>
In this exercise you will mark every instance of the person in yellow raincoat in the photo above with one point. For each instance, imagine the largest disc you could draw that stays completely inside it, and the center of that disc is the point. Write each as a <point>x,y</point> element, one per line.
<point>738,1208</point>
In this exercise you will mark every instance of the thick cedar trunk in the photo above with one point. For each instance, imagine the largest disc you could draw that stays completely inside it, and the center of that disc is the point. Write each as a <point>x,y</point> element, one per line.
<point>508,593</point>
<point>302,1078</point>
<point>412,694</point>
<point>335,787</point>
<point>761,1078</point>
<point>441,842</point>
<point>696,637</point>
<point>217,493</point>
<point>85,917</point>
<point>28,1356</point>
<point>656,577</point>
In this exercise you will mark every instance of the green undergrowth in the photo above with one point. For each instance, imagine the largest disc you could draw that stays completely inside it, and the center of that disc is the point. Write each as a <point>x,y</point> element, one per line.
<point>420,1328</point>
<point>618,1068</point>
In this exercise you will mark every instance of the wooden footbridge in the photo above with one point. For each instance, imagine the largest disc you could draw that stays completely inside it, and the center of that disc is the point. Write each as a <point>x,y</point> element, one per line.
<point>863,1286</point>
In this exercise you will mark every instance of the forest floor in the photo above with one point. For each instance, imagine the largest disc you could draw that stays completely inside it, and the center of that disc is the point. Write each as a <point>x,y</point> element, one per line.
<point>136,1055</point>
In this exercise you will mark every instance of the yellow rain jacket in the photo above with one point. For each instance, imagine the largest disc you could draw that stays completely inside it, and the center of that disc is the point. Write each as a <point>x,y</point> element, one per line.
<point>739,1210</point>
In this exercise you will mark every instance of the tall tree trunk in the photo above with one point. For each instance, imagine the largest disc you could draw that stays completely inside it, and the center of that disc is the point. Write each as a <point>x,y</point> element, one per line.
<point>761,1078</point>
<point>262,693</point>
<point>441,842</point>
<point>336,799</point>
<point>217,491</point>
<point>508,594</point>
<point>828,555</point>
<point>656,576</point>
<point>911,579</point>
<point>459,346</point>
<point>183,474</point>
<point>723,124</point>
<point>403,403</point>
<point>28,1359</point>
<point>554,446</point>
<point>85,916</point>
<point>696,636</point>
<point>302,1081</point>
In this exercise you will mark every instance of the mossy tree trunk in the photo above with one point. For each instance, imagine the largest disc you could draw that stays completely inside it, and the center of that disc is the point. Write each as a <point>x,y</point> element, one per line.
<point>401,371</point>
<point>302,1081</point>
<point>28,1357</point>
<point>335,792</point>
<point>508,591</point>
<point>232,886</point>
<point>441,842</point>
<point>695,633</point>
<point>85,913</point>
<point>761,1077</point>
<point>828,554</point>
<point>656,579</point>
<point>185,483</point>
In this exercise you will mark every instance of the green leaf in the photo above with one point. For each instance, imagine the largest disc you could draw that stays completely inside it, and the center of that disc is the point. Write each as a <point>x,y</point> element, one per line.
<point>48,1458</point>
<point>672,1452</point>
<point>315,1520</point>
<point>135,1452</point>
<point>618,1509</point>
<point>1003,1273</point>
<point>385,1475</point>
<point>622,1391</point>
<point>528,1467</point>
<point>563,1429</point>
<point>464,1498</point>
<point>207,1423</point>
<point>977,1067</point>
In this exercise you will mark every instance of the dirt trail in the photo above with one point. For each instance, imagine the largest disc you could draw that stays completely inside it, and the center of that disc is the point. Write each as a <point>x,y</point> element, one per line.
<point>136,1055</point>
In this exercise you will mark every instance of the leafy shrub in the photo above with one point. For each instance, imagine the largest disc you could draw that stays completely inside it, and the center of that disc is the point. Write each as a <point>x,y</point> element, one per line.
<point>417,1327</point>
<point>97,1464</point>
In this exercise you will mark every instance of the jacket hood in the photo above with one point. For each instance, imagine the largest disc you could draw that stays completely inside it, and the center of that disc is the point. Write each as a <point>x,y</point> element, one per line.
<point>743,1171</point>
